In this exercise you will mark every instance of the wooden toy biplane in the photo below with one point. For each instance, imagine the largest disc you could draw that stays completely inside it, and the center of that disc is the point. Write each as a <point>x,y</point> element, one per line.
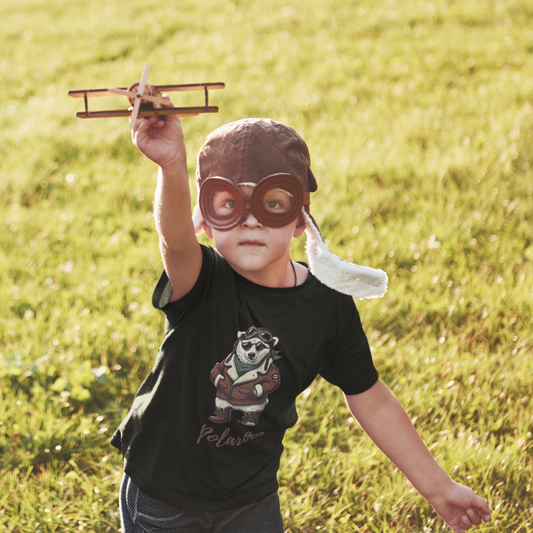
<point>146,100</point>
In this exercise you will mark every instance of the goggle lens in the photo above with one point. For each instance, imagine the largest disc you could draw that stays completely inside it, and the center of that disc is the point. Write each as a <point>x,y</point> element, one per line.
<point>278,201</point>
<point>222,203</point>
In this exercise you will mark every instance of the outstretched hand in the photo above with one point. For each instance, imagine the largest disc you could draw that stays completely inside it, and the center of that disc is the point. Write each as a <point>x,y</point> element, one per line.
<point>160,138</point>
<point>461,509</point>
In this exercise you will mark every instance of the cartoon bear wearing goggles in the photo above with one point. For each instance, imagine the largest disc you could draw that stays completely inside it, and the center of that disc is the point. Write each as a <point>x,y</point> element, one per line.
<point>246,377</point>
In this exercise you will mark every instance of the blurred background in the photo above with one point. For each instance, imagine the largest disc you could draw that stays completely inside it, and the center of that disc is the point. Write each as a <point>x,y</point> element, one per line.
<point>419,119</point>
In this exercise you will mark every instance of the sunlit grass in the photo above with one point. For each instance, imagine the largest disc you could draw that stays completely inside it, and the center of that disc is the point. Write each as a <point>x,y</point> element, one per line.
<point>419,119</point>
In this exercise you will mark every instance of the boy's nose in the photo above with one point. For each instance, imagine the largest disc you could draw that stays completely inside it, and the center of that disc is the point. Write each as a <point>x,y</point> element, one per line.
<point>249,219</point>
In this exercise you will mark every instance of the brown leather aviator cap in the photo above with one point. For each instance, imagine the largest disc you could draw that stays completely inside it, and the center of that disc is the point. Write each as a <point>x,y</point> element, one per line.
<point>251,149</point>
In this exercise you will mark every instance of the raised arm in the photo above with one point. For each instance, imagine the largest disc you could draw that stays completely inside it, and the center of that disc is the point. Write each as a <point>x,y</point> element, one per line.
<point>161,140</point>
<point>387,424</point>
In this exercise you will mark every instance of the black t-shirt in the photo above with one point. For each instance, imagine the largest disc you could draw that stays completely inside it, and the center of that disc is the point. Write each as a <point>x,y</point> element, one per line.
<point>206,427</point>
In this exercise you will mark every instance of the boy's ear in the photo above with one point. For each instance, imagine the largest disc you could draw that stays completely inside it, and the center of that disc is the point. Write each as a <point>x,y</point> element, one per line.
<point>208,230</point>
<point>300,227</point>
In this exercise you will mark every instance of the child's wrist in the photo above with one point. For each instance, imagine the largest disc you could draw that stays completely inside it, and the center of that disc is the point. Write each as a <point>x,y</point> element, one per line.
<point>439,485</point>
<point>173,167</point>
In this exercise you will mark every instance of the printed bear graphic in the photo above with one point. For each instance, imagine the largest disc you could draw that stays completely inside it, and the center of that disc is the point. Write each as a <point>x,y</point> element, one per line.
<point>246,377</point>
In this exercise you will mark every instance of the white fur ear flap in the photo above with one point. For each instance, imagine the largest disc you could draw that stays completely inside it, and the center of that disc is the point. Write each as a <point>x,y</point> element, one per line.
<point>348,278</point>
<point>197,220</point>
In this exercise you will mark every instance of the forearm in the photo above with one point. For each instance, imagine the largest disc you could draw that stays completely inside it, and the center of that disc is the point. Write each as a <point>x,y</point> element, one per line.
<point>388,425</point>
<point>161,140</point>
<point>172,209</point>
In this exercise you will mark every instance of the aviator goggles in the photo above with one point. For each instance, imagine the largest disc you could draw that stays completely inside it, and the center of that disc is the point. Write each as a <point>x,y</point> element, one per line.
<point>253,333</point>
<point>276,201</point>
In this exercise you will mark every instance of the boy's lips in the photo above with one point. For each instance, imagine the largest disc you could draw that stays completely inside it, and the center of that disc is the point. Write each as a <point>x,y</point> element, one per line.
<point>250,242</point>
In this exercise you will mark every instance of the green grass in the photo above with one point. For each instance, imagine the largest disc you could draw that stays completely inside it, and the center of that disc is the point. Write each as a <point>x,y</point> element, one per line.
<point>419,119</point>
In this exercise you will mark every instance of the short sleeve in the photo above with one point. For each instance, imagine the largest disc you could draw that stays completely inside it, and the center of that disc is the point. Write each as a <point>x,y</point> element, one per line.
<point>350,366</point>
<point>163,290</point>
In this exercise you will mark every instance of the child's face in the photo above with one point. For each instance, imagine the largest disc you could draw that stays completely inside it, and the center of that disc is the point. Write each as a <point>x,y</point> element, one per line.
<point>257,252</point>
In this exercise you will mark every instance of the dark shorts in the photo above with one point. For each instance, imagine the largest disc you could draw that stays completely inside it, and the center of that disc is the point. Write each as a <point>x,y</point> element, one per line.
<point>141,513</point>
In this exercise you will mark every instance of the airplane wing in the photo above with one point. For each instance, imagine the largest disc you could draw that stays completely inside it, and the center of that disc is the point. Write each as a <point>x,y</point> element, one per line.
<point>181,111</point>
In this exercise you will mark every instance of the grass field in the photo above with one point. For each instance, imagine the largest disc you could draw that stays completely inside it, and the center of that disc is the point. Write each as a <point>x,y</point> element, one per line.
<point>419,119</point>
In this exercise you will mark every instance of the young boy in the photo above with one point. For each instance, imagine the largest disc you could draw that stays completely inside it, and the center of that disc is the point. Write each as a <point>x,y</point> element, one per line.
<point>246,331</point>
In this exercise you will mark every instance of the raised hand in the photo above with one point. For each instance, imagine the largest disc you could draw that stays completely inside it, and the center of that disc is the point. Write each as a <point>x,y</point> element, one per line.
<point>160,139</point>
